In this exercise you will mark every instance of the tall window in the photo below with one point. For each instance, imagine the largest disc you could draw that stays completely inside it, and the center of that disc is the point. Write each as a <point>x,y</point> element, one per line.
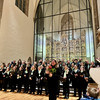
<point>63,30</point>
<point>23,5</point>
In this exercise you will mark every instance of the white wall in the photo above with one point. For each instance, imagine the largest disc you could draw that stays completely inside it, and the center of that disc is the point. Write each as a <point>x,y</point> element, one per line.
<point>16,32</point>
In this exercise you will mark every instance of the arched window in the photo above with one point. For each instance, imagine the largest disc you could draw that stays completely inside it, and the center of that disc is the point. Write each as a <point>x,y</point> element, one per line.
<point>67,23</point>
<point>23,5</point>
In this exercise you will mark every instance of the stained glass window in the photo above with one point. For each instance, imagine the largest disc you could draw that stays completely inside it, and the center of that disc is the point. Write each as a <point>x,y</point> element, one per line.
<point>63,30</point>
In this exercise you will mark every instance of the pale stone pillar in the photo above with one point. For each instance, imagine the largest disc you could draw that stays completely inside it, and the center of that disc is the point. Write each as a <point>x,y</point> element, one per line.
<point>98,31</point>
<point>98,5</point>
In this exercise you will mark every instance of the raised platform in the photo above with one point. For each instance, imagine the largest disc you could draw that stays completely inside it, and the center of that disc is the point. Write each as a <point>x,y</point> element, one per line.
<point>23,96</point>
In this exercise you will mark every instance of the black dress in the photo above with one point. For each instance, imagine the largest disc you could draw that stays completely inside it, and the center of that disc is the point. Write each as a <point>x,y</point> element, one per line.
<point>20,80</point>
<point>66,84</point>
<point>40,76</point>
<point>32,80</point>
<point>53,83</point>
<point>13,80</point>
<point>75,80</point>
<point>1,79</point>
<point>82,83</point>
<point>26,81</point>
<point>6,79</point>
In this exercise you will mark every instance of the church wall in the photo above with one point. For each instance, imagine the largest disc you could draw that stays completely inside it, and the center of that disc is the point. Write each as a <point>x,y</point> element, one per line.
<point>16,32</point>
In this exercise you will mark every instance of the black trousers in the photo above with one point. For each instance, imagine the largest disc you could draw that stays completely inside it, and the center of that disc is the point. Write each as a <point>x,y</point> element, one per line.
<point>13,84</point>
<point>32,85</point>
<point>26,84</point>
<point>40,85</point>
<point>53,91</point>
<point>52,96</point>
<point>58,87</point>
<point>75,85</point>
<point>46,87</point>
<point>19,84</point>
<point>66,89</point>
<point>82,88</point>
<point>6,81</point>
<point>1,83</point>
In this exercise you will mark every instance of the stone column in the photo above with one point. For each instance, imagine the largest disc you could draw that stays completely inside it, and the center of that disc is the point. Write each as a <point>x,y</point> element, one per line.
<point>98,31</point>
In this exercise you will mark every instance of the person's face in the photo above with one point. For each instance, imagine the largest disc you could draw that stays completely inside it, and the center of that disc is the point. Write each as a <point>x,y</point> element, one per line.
<point>1,66</point>
<point>40,60</point>
<point>82,64</point>
<point>66,67</point>
<point>23,62</point>
<point>75,67</point>
<point>72,64</point>
<point>39,68</point>
<point>14,61</point>
<point>8,69</point>
<point>87,62</point>
<point>47,68</point>
<point>68,62</point>
<point>35,63</point>
<point>81,68</point>
<point>92,63</point>
<point>20,68</point>
<point>53,63</point>
<point>26,68</point>
<point>80,59</point>
<point>43,63</point>
<point>33,67</point>
<point>72,60</point>
<point>63,64</point>
<point>60,62</point>
<point>11,66</point>
<point>16,66</point>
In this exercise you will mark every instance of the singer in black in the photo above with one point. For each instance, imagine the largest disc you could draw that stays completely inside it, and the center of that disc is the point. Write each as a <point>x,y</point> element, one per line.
<point>32,79</point>
<point>65,81</point>
<point>53,81</point>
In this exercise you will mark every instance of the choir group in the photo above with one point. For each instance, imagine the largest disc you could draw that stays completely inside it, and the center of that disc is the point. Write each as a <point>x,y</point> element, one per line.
<point>34,77</point>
